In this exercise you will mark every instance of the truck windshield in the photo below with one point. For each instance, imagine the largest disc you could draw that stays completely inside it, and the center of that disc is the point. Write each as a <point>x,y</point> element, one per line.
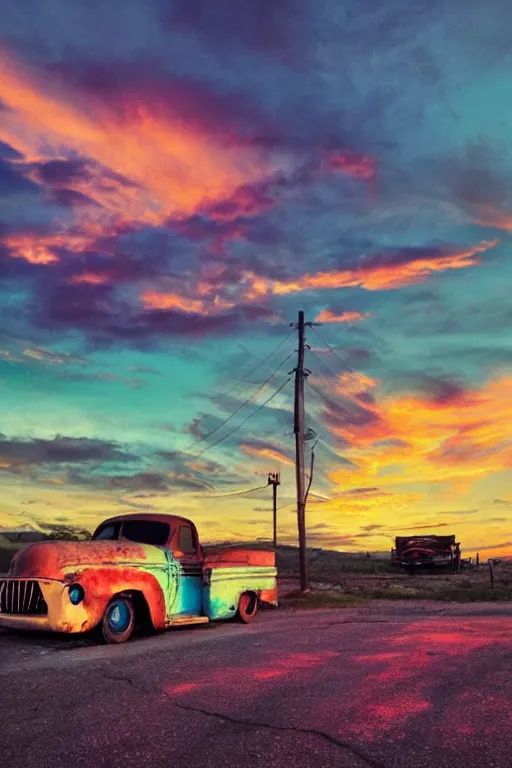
<point>146,532</point>
<point>140,531</point>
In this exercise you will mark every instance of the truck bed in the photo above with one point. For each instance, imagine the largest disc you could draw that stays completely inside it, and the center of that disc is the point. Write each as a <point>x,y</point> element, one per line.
<point>222,556</point>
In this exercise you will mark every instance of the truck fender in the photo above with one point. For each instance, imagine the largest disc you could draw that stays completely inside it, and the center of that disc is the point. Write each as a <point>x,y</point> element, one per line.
<point>101,584</point>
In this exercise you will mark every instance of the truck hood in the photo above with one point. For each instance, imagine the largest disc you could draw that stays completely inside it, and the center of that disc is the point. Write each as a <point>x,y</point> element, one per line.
<point>55,559</point>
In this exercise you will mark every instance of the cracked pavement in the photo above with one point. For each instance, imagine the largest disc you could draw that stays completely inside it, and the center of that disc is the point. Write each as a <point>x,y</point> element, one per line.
<point>384,685</point>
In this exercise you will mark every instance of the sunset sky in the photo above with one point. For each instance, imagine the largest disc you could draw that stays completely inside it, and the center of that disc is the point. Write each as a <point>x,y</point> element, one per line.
<point>177,180</point>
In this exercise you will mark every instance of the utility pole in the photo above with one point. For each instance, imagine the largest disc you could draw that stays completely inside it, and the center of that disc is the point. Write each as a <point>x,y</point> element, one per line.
<point>298,428</point>
<point>274,479</point>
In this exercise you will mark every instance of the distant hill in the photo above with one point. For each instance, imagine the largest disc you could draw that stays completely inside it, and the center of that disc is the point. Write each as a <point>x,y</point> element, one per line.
<point>12,541</point>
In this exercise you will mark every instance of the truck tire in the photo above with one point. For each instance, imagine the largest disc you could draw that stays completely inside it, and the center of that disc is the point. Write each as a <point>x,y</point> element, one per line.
<point>118,620</point>
<point>247,607</point>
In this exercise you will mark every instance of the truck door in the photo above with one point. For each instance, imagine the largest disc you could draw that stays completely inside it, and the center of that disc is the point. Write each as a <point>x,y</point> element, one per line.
<point>189,598</point>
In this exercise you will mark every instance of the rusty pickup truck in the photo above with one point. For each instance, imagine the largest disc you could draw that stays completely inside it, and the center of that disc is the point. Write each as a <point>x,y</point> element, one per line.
<point>136,570</point>
<point>427,551</point>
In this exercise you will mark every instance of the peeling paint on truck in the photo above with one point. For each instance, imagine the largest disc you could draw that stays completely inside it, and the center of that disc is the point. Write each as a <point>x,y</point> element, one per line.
<point>72,586</point>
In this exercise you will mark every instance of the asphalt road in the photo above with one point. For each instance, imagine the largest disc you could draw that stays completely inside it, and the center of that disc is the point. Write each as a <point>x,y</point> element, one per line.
<point>400,686</point>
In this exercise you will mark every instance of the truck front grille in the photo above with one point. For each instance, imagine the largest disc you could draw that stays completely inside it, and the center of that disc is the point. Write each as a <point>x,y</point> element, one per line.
<point>22,597</point>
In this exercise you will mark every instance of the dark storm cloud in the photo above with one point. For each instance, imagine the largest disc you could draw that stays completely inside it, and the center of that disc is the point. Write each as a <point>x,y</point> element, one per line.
<point>60,450</point>
<point>476,176</point>
<point>104,319</point>
<point>199,470</point>
<point>156,481</point>
<point>68,198</point>
<point>13,181</point>
<point>9,153</point>
<point>259,24</point>
<point>348,414</point>
<point>141,481</point>
<point>61,172</point>
<point>137,482</point>
<point>439,390</point>
<point>363,492</point>
<point>372,527</point>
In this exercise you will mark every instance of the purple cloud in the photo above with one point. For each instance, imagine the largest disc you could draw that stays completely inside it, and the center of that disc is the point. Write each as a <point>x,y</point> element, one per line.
<point>60,450</point>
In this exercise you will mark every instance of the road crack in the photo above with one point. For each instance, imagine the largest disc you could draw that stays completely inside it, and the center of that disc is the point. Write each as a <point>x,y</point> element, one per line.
<point>370,761</point>
<point>120,679</point>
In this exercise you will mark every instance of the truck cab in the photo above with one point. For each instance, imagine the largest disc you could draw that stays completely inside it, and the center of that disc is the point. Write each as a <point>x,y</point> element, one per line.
<point>136,568</point>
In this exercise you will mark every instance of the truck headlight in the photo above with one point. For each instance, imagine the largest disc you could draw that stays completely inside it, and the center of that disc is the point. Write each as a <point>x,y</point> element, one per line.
<point>76,593</point>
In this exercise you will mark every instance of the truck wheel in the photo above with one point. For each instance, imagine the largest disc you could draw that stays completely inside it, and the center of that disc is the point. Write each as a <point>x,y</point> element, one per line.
<point>118,620</point>
<point>247,607</point>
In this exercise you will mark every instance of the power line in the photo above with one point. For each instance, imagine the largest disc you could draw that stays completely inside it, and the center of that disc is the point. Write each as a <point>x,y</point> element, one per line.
<point>345,365</point>
<point>329,387</point>
<point>290,504</point>
<point>256,366</point>
<point>294,503</point>
<point>326,368</point>
<point>320,394</point>
<point>220,440</point>
<point>235,493</point>
<point>257,391</point>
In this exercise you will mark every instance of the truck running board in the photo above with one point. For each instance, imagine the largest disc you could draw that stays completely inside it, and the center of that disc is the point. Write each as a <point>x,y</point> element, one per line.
<point>179,621</point>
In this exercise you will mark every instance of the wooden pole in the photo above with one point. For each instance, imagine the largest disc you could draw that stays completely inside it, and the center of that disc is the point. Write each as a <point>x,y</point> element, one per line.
<point>299,454</point>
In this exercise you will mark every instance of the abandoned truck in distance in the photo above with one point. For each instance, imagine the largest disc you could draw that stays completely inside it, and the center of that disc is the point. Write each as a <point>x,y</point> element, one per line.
<point>412,552</point>
<point>136,569</point>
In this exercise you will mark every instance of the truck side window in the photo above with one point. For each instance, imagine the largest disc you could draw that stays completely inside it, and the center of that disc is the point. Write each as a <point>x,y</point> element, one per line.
<point>186,541</point>
<point>108,532</point>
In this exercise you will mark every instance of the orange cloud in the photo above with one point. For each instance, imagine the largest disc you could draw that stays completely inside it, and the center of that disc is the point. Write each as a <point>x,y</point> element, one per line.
<point>25,247</point>
<point>327,316</point>
<point>90,278</point>
<point>408,440</point>
<point>154,300</point>
<point>371,276</point>
<point>355,383</point>
<point>41,249</point>
<point>265,452</point>
<point>380,277</point>
<point>173,169</point>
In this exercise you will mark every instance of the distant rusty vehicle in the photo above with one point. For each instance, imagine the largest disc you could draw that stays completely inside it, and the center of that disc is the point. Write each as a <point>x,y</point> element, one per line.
<point>413,552</point>
<point>136,570</point>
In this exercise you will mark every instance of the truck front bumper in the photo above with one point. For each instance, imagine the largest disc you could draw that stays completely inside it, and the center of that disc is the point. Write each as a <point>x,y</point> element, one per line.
<point>41,604</point>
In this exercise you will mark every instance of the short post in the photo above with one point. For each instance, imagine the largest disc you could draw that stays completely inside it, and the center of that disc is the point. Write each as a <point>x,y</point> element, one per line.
<point>274,479</point>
